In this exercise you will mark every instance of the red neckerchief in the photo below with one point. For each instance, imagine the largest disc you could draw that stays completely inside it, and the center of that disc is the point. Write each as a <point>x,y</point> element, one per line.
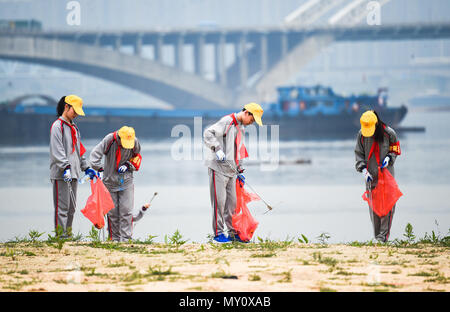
<point>241,151</point>
<point>73,132</point>
<point>376,149</point>
<point>118,151</point>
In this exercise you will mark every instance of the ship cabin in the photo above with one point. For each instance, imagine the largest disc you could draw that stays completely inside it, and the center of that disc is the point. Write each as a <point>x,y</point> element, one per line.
<point>310,101</point>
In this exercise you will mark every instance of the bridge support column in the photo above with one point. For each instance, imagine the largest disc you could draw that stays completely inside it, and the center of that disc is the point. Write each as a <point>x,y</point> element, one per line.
<point>179,55</point>
<point>243,64</point>
<point>199,55</point>
<point>97,40</point>
<point>221,73</point>
<point>284,44</point>
<point>118,43</point>
<point>138,46</point>
<point>158,48</point>
<point>264,55</point>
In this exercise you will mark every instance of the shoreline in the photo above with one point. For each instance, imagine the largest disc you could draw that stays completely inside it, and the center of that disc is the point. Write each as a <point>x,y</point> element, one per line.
<point>56,265</point>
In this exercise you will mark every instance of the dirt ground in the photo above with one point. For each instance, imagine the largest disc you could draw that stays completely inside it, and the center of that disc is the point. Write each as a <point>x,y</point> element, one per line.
<point>270,266</point>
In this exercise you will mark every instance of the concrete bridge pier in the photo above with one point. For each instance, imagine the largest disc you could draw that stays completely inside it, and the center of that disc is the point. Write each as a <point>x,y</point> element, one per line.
<point>179,55</point>
<point>158,48</point>
<point>199,53</point>
<point>138,45</point>
<point>219,49</point>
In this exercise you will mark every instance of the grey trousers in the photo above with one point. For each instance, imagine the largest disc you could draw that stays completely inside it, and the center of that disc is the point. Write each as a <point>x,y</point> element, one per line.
<point>64,203</point>
<point>120,218</point>
<point>223,201</point>
<point>382,226</point>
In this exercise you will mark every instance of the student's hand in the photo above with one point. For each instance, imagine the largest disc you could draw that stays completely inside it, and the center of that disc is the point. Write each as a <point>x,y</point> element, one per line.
<point>220,155</point>
<point>67,176</point>
<point>100,173</point>
<point>385,162</point>
<point>241,178</point>
<point>90,172</point>
<point>146,206</point>
<point>367,175</point>
<point>122,168</point>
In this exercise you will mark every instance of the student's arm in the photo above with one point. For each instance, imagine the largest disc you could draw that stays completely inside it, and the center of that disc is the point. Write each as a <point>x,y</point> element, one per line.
<point>57,150</point>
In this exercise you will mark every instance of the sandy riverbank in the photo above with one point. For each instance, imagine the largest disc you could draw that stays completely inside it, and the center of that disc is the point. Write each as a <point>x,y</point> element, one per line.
<point>267,266</point>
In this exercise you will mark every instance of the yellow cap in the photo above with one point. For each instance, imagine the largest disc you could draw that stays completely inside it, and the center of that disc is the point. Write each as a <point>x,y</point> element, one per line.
<point>256,110</point>
<point>368,121</point>
<point>76,102</point>
<point>127,135</point>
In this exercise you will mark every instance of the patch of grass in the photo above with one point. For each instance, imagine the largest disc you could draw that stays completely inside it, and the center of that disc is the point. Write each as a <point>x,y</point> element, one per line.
<point>286,277</point>
<point>323,239</point>
<point>223,274</point>
<point>438,277</point>
<point>263,255</point>
<point>345,273</point>
<point>121,263</point>
<point>327,289</point>
<point>17,286</point>
<point>303,239</point>
<point>176,240</point>
<point>59,238</point>
<point>254,278</point>
<point>324,260</point>
<point>156,270</point>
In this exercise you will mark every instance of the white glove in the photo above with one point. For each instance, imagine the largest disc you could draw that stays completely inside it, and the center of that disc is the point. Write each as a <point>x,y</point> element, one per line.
<point>367,175</point>
<point>122,168</point>
<point>220,155</point>
<point>385,162</point>
<point>67,176</point>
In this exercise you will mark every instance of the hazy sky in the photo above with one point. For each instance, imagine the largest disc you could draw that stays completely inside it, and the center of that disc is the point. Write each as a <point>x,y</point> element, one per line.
<point>132,14</point>
<point>17,78</point>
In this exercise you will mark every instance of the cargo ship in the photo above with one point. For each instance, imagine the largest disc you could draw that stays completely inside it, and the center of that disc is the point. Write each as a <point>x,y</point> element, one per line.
<point>301,113</point>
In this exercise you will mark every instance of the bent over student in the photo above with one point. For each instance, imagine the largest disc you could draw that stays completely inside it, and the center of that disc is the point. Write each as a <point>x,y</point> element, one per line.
<point>121,151</point>
<point>66,161</point>
<point>376,145</point>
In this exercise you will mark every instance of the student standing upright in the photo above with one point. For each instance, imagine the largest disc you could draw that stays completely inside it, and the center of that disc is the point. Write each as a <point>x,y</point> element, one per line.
<point>66,161</point>
<point>224,140</point>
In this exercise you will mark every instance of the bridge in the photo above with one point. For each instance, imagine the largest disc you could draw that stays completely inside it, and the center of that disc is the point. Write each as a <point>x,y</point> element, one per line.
<point>264,57</point>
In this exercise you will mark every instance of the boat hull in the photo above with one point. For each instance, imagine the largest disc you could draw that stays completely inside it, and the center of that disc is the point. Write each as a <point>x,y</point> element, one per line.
<point>32,128</point>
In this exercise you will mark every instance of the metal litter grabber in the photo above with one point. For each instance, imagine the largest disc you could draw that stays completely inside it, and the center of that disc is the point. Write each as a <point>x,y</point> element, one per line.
<point>269,207</point>
<point>156,193</point>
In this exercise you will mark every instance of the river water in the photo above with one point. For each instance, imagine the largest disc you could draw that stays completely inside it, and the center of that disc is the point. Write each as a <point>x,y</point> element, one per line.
<point>322,194</point>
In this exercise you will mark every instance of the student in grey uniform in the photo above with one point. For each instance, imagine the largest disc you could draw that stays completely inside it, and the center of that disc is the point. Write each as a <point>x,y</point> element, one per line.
<point>376,145</point>
<point>121,151</point>
<point>224,142</point>
<point>66,161</point>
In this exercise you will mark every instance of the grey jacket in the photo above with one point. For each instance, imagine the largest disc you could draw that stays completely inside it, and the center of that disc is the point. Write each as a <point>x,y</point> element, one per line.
<point>222,136</point>
<point>114,180</point>
<point>61,154</point>
<point>362,150</point>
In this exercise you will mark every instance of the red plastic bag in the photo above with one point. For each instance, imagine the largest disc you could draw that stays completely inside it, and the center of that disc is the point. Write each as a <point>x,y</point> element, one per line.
<point>384,195</point>
<point>98,204</point>
<point>243,222</point>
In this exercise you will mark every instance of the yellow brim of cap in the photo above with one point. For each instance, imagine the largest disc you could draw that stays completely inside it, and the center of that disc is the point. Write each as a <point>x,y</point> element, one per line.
<point>127,143</point>
<point>78,110</point>
<point>258,119</point>
<point>368,131</point>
